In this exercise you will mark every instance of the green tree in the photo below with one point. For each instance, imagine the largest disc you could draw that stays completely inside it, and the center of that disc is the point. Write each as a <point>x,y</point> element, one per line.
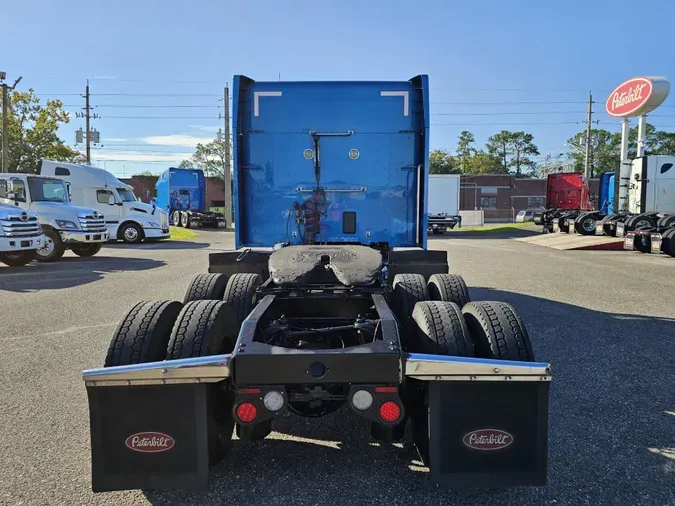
<point>32,132</point>
<point>465,150</point>
<point>442,162</point>
<point>208,157</point>
<point>484,163</point>
<point>605,150</point>
<point>513,149</point>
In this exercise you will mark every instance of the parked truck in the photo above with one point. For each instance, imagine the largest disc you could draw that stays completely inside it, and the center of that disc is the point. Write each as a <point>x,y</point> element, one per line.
<point>647,221</point>
<point>126,218</point>
<point>65,225</point>
<point>567,196</point>
<point>330,300</point>
<point>594,221</point>
<point>182,193</point>
<point>443,210</point>
<point>20,233</point>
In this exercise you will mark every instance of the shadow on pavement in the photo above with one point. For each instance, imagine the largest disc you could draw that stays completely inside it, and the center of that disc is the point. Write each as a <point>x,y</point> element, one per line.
<point>69,272</point>
<point>159,245</point>
<point>612,413</point>
<point>487,234</point>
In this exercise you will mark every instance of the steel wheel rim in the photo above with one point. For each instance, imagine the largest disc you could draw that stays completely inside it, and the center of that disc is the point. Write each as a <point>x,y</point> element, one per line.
<point>131,234</point>
<point>47,249</point>
<point>589,225</point>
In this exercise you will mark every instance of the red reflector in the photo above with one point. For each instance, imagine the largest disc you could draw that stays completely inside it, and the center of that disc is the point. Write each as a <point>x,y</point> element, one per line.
<point>249,391</point>
<point>386,389</point>
<point>247,412</point>
<point>389,411</point>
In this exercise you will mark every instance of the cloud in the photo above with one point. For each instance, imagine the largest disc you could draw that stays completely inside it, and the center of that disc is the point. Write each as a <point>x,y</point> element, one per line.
<point>205,128</point>
<point>135,156</point>
<point>176,140</point>
<point>115,139</point>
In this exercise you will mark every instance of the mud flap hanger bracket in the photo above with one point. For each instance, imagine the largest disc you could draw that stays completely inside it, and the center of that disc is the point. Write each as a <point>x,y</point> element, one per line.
<point>216,368</point>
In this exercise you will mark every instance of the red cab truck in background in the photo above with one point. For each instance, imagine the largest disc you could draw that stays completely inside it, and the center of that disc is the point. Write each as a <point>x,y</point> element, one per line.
<point>567,196</point>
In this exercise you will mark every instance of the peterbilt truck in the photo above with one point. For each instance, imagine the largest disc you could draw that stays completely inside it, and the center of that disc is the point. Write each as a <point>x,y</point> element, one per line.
<point>330,300</point>
<point>20,233</point>
<point>65,225</point>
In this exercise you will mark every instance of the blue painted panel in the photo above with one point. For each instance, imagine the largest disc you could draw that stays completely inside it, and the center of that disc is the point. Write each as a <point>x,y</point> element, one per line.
<point>272,173</point>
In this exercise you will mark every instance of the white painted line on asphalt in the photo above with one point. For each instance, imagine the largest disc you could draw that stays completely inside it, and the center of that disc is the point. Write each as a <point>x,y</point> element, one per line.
<point>58,332</point>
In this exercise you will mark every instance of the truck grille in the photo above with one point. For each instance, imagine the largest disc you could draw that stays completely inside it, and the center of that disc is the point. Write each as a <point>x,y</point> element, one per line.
<point>92,223</point>
<point>15,226</point>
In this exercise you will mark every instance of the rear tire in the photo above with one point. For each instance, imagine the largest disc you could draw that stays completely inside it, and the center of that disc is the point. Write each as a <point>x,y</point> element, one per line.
<point>88,250</point>
<point>175,218</point>
<point>241,296</point>
<point>585,225</point>
<point>668,242</point>
<point>448,288</point>
<point>635,222</point>
<point>142,335</point>
<point>53,249</point>
<point>206,287</point>
<point>185,219</point>
<point>497,331</point>
<point>666,221</point>
<point>201,330</point>
<point>18,258</point>
<point>408,290</point>
<point>441,329</point>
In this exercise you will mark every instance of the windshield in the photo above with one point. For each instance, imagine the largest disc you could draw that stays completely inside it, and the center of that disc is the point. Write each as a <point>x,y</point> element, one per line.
<point>126,195</point>
<point>47,190</point>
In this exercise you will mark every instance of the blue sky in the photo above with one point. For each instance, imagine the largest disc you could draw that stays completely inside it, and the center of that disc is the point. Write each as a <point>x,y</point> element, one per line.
<point>486,60</point>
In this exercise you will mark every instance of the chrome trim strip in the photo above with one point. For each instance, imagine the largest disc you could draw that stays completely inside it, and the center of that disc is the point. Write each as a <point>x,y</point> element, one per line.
<point>445,368</point>
<point>211,369</point>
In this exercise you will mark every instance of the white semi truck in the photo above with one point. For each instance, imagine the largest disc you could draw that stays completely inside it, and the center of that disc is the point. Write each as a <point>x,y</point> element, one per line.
<point>126,218</point>
<point>65,225</point>
<point>443,210</point>
<point>20,234</point>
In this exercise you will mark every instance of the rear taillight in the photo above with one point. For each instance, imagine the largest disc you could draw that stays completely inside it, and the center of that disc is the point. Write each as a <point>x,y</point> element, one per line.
<point>246,412</point>
<point>389,411</point>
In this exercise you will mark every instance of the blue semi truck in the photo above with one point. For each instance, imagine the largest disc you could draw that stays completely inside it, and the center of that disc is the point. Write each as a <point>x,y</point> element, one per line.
<point>330,300</point>
<point>182,193</point>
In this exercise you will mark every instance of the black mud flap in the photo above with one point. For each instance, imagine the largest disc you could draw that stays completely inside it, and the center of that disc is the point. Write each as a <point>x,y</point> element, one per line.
<point>484,434</point>
<point>149,437</point>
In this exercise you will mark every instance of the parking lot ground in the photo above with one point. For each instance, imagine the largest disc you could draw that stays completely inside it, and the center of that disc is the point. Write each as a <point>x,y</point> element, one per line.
<point>604,320</point>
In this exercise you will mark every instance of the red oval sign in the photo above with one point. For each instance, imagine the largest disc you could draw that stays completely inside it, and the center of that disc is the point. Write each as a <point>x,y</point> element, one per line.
<point>150,442</point>
<point>629,97</point>
<point>487,439</point>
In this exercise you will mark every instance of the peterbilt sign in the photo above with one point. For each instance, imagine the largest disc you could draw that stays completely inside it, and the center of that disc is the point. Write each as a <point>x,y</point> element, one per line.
<point>637,96</point>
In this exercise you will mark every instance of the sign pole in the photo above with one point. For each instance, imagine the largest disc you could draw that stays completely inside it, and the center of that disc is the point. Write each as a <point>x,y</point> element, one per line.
<point>642,127</point>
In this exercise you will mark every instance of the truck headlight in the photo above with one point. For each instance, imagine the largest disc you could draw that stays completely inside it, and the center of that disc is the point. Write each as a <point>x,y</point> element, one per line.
<point>66,224</point>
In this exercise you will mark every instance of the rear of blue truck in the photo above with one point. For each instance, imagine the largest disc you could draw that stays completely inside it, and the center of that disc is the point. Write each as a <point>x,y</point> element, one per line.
<point>329,301</point>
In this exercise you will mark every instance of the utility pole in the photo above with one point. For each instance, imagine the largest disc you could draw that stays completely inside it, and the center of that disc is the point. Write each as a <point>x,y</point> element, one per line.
<point>227,176</point>
<point>89,134</point>
<point>5,113</point>
<point>589,120</point>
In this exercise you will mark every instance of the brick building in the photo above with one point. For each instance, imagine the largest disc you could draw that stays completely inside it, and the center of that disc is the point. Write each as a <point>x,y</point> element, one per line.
<point>501,196</point>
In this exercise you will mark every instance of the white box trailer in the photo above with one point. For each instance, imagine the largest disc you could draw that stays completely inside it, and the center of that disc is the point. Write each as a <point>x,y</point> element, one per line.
<point>443,203</point>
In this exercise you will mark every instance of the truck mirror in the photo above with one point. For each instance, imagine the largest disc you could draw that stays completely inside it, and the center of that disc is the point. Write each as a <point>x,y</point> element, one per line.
<point>111,200</point>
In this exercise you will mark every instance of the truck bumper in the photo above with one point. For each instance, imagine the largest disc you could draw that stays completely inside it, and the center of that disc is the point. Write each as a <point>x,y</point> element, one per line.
<point>156,233</point>
<point>78,237</point>
<point>476,422</point>
<point>9,244</point>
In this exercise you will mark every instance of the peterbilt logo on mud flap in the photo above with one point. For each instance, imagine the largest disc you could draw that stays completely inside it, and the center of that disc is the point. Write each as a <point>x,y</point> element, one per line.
<point>487,439</point>
<point>149,442</point>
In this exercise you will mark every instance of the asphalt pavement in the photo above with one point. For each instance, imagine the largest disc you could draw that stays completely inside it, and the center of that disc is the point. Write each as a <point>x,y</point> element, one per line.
<point>604,320</point>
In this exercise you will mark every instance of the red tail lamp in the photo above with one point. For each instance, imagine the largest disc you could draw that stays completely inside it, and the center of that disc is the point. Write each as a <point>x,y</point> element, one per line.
<point>389,411</point>
<point>246,412</point>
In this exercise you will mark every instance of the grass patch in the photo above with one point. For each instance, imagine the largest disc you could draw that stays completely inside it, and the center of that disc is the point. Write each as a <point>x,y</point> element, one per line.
<point>181,234</point>
<point>494,227</point>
